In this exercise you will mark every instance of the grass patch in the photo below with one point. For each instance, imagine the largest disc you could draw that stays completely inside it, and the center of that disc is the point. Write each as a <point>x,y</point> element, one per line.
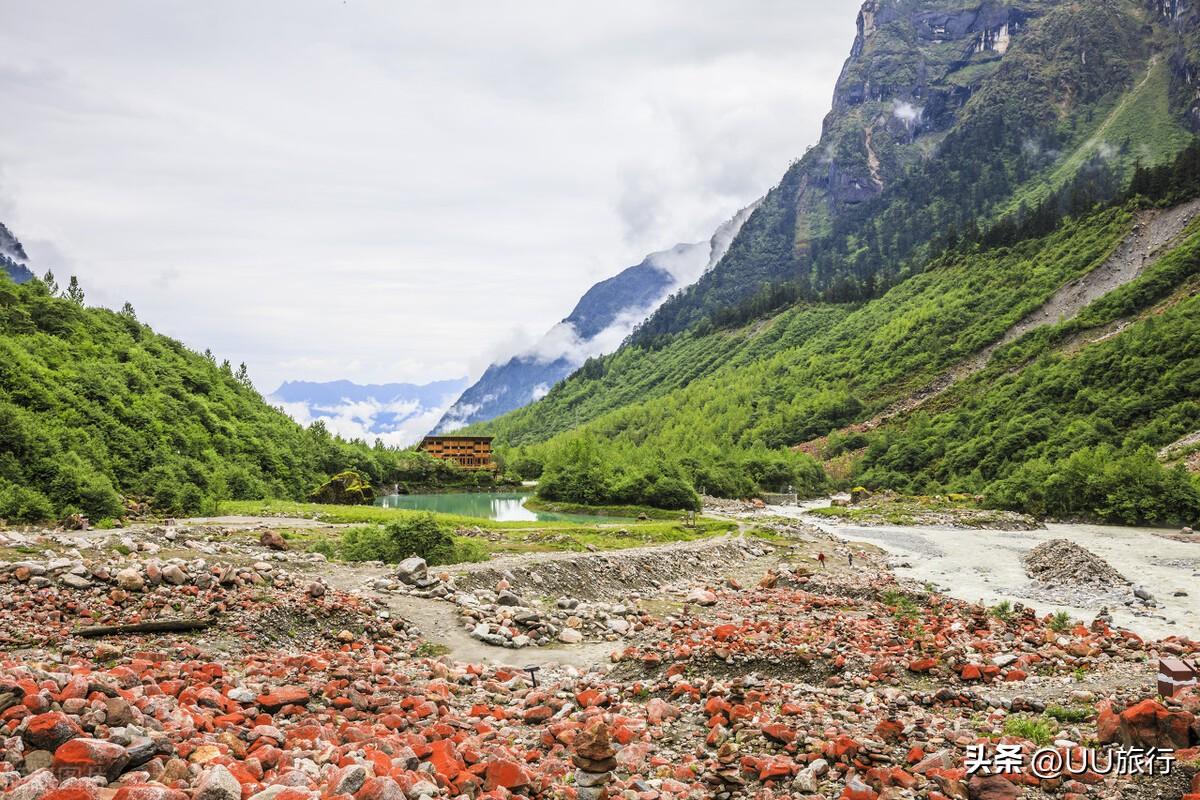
<point>1038,730</point>
<point>499,538</point>
<point>430,650</point>
<point>903,607</point>
<point>1069,714</point>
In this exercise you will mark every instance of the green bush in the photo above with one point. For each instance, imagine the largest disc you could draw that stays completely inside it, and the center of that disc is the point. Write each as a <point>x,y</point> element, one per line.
<point>1103,483</point>
<point>671,493</point>
<point>418,536</point>
<point>19,504</point>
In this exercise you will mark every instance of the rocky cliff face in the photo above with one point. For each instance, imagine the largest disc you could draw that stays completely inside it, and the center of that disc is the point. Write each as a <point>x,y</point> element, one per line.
<point>1183,18</point>
<point>12,256</point>
<point>942,112</point>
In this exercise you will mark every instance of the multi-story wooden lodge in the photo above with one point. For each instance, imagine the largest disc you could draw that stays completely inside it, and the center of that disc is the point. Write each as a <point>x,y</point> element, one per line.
<point>470,452</point>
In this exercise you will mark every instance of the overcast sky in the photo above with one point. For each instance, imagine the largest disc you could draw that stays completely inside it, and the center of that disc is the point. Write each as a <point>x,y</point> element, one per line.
<point>390,191</point>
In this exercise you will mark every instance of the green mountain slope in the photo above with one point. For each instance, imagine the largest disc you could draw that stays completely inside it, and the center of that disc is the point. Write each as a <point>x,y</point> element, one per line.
<point>945,117</point>
<point>95,406</point>
<point>817,368</point>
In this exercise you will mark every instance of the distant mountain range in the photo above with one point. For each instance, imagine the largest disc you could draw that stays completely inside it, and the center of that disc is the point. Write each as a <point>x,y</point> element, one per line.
<point>602,319</point>
<point>397,413</point>
<point>12,256</point>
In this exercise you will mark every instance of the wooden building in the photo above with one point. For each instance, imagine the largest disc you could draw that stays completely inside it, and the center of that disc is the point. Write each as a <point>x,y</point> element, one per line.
<point>470,452</point>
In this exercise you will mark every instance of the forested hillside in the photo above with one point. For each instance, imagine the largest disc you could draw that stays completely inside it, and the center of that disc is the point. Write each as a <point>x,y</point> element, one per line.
<point>711,398</point>
<point>96,408</point>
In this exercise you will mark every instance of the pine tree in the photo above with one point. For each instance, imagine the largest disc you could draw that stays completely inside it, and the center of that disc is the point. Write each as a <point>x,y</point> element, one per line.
<point>127,310</point>
<point>75,291</point>
<point>243,375</point>
<point>51,284</point>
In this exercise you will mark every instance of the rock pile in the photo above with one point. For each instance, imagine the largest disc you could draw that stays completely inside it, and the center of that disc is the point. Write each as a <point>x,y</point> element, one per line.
<point>592,576</point>
<point>1062,562</point>
<point>1063,572</point>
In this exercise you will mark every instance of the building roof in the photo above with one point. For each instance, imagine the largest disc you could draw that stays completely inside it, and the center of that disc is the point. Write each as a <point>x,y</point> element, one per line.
<point>456,437</point>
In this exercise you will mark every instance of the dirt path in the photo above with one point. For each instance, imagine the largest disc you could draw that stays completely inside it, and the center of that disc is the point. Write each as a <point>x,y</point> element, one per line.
<point>439,626</point>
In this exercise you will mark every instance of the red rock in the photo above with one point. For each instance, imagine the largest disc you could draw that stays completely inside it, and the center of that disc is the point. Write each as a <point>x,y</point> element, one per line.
<point>445,759</point>
<point>284,696</point>
<point>991,787</point>
<point>593,743</point>
<point>1015,675</point>
<point>971,672</point>
<point>80,758</point>
<point>538,714</point>
<point>148,791</point>
<point>779,733</point>
<point>1108,724</point>
<point>1151,724</point>
<point>855,789</point>
<point>889,730</point>
<point>509,774</point>
<point>86,792</point>
<point>48,731</point>
<point>922,665</point>
<point>381,788</point>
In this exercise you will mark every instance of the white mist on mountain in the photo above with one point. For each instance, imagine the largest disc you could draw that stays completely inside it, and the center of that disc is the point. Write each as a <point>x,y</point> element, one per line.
<point>604,317</point>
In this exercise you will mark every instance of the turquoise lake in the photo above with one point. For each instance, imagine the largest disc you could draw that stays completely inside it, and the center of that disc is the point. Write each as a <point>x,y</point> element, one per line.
<point>499,506</point>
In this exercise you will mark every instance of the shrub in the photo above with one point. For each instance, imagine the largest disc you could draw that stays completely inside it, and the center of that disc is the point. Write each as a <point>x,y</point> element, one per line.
<point>19,504</point>
<point>1103,483</point>
<point>75,485</point>
<point>417,536</point>
<point>1060,622</point>
<point>671,493</point>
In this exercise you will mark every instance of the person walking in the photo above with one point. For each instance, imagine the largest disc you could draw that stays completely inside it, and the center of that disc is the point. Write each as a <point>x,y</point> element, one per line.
<point>850,557</point>
<point>821,559</point>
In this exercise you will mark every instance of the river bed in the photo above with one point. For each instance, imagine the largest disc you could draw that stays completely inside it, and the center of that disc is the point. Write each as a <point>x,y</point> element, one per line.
<point>986,565</point>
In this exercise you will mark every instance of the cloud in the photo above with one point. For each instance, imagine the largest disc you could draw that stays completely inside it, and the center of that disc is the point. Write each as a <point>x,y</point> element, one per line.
<point>398,424</point>
<point>906,112</point>
<point>384,191</point>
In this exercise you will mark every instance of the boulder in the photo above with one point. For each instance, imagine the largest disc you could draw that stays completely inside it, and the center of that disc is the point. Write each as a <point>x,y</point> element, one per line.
<point>80,758</point>
<point>218,783</point>
<point>1151,724</point>
<point>48,731</point>
<point>346,488</point>
<point>130,580</point>
<point>412,570</point>
<point>272,540</point>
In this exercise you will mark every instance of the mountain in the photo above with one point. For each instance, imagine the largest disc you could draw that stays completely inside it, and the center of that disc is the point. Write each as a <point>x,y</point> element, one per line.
<point>605,315</point>
<point>945,116</point>
<point>399,413</point>
<point>12,256</point>
<point>981,279</point>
